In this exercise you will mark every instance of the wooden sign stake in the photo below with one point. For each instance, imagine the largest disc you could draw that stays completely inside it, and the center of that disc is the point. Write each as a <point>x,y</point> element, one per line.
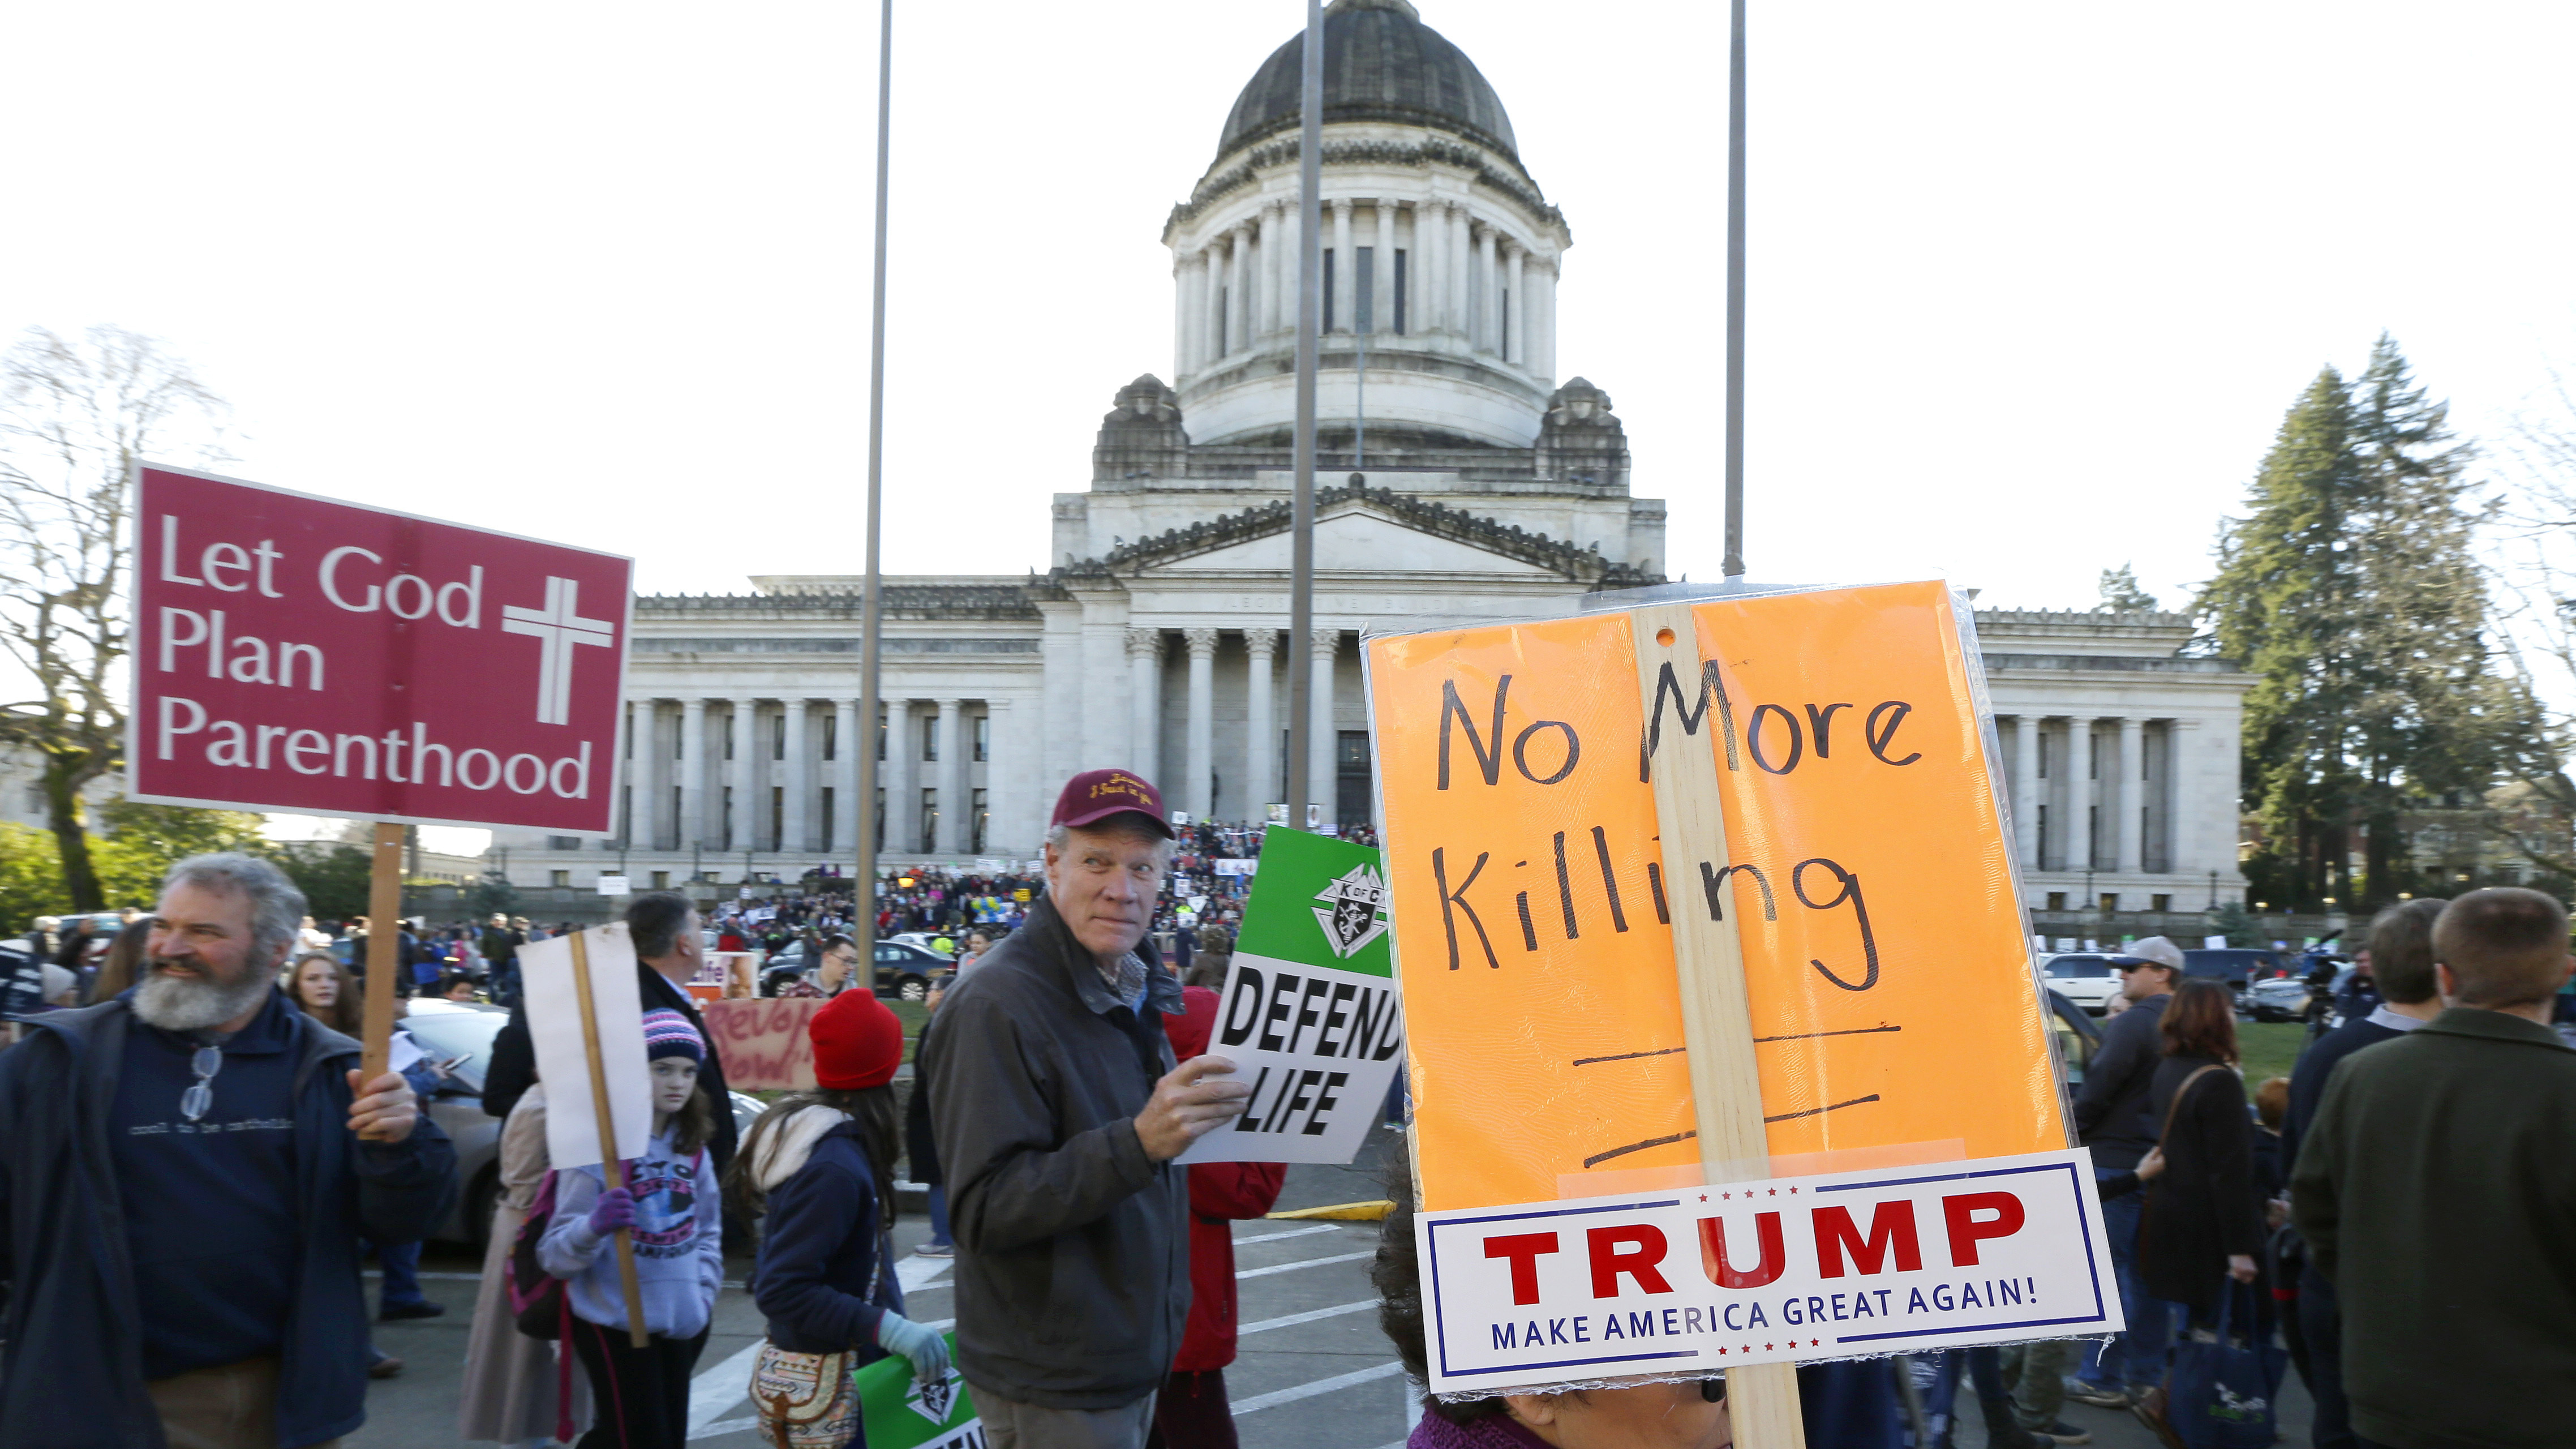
<point>384,950</point>
<point>1717,1019</point>
<point>610,1168</point>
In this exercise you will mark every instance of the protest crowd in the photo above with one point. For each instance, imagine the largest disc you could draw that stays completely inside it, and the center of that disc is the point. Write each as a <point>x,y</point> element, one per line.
<point>193,1167</point>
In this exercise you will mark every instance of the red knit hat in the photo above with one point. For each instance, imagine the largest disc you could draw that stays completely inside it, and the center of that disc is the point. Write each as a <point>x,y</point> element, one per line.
<point>857,1042</point>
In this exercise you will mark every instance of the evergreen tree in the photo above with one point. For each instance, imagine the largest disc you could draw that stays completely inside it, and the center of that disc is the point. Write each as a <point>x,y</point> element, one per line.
<point>2121,594</point>
<point>2350,592</point>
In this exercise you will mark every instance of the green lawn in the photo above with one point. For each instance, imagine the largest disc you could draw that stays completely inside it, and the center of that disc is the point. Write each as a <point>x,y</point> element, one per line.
<point>2269,1049</point>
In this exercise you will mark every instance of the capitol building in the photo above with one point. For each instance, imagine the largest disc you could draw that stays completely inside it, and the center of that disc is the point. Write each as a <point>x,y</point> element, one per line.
<point>1460,474</point>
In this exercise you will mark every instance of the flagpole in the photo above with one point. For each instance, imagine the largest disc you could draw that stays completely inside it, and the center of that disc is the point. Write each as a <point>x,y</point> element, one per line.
<point>1310,318</point>
<point>863,901</point>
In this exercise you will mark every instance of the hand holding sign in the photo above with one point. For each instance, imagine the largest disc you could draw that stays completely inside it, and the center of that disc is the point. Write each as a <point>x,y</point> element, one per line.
<point>382,1110</point>
<point>1198,1097</point>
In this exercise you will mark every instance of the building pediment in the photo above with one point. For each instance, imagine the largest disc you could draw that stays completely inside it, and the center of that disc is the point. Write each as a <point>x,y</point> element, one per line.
<point>1361,527</point>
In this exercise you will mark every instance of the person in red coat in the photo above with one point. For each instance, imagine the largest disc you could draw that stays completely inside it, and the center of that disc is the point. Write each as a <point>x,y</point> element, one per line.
<point>1192,1412</point>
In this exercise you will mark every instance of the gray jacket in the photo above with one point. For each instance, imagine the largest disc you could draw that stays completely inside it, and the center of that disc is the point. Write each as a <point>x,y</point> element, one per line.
<point>1073,1251</point>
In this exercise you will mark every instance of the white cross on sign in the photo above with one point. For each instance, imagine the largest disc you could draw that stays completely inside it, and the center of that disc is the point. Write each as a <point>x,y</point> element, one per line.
<point>559,629</point>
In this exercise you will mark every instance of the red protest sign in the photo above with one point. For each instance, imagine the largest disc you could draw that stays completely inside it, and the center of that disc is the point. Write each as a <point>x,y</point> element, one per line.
<point>764,1041</point>
<point>297,653</point>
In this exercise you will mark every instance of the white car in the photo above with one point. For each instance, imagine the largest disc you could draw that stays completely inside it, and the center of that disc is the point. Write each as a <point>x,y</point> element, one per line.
<point>2083,977</point>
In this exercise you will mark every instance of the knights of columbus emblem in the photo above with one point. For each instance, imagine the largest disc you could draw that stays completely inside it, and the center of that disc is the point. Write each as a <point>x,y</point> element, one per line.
<point>1353,910</point>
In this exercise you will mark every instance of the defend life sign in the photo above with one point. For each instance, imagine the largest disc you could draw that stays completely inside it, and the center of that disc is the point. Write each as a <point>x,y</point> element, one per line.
<point>296,653</point>
<point>1864,866</point>
<point>1308,1015</point>
<point>1839,1266</point>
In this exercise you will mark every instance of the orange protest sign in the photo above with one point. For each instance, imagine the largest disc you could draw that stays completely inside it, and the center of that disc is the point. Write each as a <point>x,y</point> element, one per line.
<point>1865,865</point>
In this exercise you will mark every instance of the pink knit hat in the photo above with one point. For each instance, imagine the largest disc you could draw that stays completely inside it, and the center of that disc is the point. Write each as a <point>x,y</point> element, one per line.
<point>668,1034</point>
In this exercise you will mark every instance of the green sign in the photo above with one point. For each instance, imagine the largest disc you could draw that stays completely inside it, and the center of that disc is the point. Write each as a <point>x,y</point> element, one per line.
<point>900,1412</point>
<point>1320,902</point>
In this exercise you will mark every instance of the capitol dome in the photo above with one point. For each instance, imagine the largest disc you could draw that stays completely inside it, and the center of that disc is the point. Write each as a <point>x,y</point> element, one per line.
<point>1381,63</point>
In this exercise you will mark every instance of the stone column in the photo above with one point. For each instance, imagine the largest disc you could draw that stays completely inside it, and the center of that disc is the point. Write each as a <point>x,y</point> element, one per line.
<point>1323,646</point>
<point>1261,727</point>
<point>1000,769</point>
<point>954,748</point>
<point>640,805</point>
<point>1345,286</point>
<point>903,800</point>
<point>693,772</point>
<point>2080,796</point>
<point>1382,272</point>
<point>1543,312</point>
<point>844,824</point>
<point>1145,696</point>
<point>1200,754</point>
<point>2132,794</point>
<point>1212,303</point>
<point>1246,287</point>
<point>796,830</point>
<point>2182,830</point>
<point>2025,805</point>
<point>1180,316</point>
<point>739,820</point>
<point>1489,281</point>
<point>1265,259</point>
<point>1515,307</point>
<point>1457,277</point>
<point>1422,282</point>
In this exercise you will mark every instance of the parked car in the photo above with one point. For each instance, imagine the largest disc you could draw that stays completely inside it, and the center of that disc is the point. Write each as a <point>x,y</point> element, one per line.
<point>2083,977</point>
<point>2236,967</point>
<point>903,970</point>
<point>2278,998</point>
<point>461,1032</point>
<point>2077,1037</point>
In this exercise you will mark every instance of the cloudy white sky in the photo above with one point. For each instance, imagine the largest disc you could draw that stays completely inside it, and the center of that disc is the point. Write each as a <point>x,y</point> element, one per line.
<point>2031,283</point>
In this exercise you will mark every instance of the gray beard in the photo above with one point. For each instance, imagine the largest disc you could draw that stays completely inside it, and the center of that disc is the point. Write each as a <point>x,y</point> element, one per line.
<point>175,1005</point>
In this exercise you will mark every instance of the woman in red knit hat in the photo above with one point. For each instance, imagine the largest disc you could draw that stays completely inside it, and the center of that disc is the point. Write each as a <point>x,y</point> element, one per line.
<point>820,1166</point>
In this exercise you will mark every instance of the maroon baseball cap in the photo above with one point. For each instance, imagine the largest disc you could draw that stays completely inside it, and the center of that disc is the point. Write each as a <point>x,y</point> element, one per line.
<point>1095,795</point>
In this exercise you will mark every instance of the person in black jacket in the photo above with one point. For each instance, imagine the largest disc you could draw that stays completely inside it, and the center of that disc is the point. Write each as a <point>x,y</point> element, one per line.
<point>2203,1220</point>
<point>666,933</point>
<point>2401,955</point>
<point>2111,1113</point>
<point>200,1146</point>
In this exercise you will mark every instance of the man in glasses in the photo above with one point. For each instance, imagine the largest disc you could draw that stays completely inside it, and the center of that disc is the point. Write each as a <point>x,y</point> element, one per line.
<point>2112,1114</point>
<point>184,1174</point>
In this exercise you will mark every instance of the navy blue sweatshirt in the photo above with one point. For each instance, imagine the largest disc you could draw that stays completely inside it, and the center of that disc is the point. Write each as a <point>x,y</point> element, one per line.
<point>819,1253</point>
<point>210,1205</point>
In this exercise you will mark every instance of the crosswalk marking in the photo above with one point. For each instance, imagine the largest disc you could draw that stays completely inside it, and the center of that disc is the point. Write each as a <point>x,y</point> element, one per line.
<point>1290,1320</point>
<point>1276,1397</point>
<point>1303,1263</point>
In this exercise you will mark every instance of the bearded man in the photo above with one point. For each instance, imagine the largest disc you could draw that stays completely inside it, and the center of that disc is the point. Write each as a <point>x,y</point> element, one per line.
<point>184,1175</point>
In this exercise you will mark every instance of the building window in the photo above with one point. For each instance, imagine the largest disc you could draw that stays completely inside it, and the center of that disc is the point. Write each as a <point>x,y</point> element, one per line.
<point>1364,290</point>
<point>727,805</point>
<point>635,718</point>
<point>929,819</point>
<point>876,819</point>
<point>2057,900</point>
<point>563,842</point>
<point>1328,289</point>
<point>778,735</point>
<point>661,880</point>
<point>1224,315</point>
<point>832,735</point>
<point>2110,902</point>
<point>930,739</point>
<point>2161,903</point>
<point>2092,835</point>
<point>2093,756</point>
<point>778,819</point>
<point>884,728</point>
<point>827,816</point>
<point>978,820</point>
<point>1499,348</point>
<point>1402,286</point>
<point>625,816</point>
<point>2043,840</point>
<point>983,739</point>
<point>559,878</point>
<point>728,737</point>
<point>2043,758</point>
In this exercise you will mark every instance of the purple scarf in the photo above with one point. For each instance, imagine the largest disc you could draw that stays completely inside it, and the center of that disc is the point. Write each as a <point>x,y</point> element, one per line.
<point>1498,1431</point>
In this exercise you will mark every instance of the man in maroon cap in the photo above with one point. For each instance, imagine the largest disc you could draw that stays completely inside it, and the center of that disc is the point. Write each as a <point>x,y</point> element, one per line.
<point>1057,1110</point>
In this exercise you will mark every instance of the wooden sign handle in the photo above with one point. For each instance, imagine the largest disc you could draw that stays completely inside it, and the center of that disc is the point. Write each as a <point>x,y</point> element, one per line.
<point>610,1167</point>
<point>1717,1019</point>
<point>383,965</point>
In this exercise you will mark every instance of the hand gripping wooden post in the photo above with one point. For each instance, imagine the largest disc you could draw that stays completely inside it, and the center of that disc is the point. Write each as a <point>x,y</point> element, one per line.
<point>1717,1023</point>
<point>384,951</point>
<point>610,1168</point>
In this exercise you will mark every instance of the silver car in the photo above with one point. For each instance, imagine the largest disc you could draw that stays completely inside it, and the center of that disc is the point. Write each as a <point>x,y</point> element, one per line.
<point>458,1035</point>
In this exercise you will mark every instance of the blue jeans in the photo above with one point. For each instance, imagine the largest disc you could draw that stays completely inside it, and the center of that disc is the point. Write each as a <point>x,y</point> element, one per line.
<point>939,1216</point>
<point>2134,1359</point>
<point>402,1273</point>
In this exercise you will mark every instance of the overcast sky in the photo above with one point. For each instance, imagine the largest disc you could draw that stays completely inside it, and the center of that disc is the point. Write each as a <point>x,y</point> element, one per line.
<point>2031,283</point>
